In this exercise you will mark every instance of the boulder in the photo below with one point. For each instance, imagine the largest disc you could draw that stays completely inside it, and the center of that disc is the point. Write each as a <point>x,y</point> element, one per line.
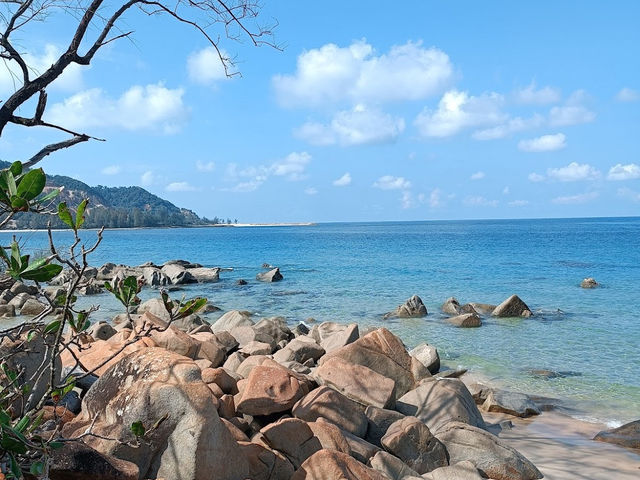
<point>178,274</point>
<point>256,348</point>
<point>273,275</point>
<point>379,421</point>
<point>412,442</point>
<point>77,461</point>
<point>384,353</point>
<point>19,300</point>
<point>7,311</point>
<point>205,275</point>
<point>271,390</point>
<point>333,406</point>
<point>209,348</point>
<point>233,361</point>
<point>300,349</point>
<point>392,466</point>
<point>512,307</point>
<point>361,450</point>
<point>589,283</point>
<point>101,331</point>
<point>330,436</point>
<point>246,334</point>
<point>222,378</point>
<point>628,435</point>
<point>6,296</point>
<point>460,471</point>
<point>150,385</point>
<point>466,320</point>
<point>428,356</point>
<point>484,308</point>
<point>492,457</point>
<point>32,307</point>
<point>249,363</point>
<point>157,308</point>
<point>106,271</point>
<point>439,401</point>
<point>241,281</point>
<point>264,463</point>
<point>333,465</point>
<point>513,403</point>
<point>154,277</point>
<point>228,342</point>
<point>357,382</point>
<point>231,319</point>
<point>412,308</point>
<point>451,306</point>
<point>293,437</point>
<point>275,327</point>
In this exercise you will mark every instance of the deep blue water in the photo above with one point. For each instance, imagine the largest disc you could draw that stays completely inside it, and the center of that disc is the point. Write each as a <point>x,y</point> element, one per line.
<point>350,272</point>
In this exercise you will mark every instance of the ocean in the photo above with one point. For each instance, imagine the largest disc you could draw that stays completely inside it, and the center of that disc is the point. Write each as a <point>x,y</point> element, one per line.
<point>356,272</point>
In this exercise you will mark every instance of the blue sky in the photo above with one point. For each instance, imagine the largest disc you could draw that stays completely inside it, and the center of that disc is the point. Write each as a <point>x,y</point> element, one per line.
<point>427,110</point>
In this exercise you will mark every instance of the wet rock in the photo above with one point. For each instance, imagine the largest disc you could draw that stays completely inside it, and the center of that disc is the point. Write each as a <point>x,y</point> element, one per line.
<point>273,275</point>
<point>512,307</point>
<point>466,320</point>
<point>513,403</point>
<point>627,435</point>
<point>412,308</point>
<point>589,283</point>
<point>241,281</point>
<point>178,274</point>
<point>428,356</point>
<point>205,275</point>
<point>332,465</point>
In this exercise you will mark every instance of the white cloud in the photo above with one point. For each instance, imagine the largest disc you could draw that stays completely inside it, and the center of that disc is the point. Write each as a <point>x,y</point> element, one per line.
<point>479,201</point>
<point>624,172</point>
<point>458,111</point>
<point>506,190</point>
<point>205,67</point>
<point>477,176</point>
<point>435,198</point>
<point>541,96</point>
<point>573,112</point>
<point>180,187</point>
<point>311,191</point>
<point>147,178</point>
<point>111,170</point>
<point>407,199</point>
<point>389,182</point>
<point>332,74</point>
<point>536,177</point>
<point>292,168</point>
<point>153,107</point>
<point>358,126</point>
<point>576,199</point>
<point>545,143</point>
<point>628,95</point>
<point>513,125</point>
<point>573,172</point>
<point>343,181</point>
<point>205,167</point>
<point>518,203</point>
<point>629,194</point>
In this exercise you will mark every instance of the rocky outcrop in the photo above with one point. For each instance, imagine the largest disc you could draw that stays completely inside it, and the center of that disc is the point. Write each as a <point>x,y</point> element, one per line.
<point>178,274</point>
<point>589,282</point>
<point>332,465</point>
<point>392,466</point>
<point>293,438</point>
<point>512,307</point>
<point>627,435</point>
<point>77,461</point>
<point>460,471</point>
<point>513,403</point>
<point>428,356</point>
<point>332,335</point>
<point>273,275</point>
<point>466,320</point>
<point>231,319</point>
<point>379,421</point>
<point>412,308</point>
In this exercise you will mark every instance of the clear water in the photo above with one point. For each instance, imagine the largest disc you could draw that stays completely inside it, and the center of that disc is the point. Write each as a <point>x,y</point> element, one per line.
<point>358,271</point>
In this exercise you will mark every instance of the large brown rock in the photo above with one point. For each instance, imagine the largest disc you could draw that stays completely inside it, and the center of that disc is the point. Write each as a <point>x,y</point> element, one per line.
<point>150,385</point>
<point>487,452</point>
<point>300,349</point>
<point>330,436</point>
<point>412,442</point>
<point>384,353</point>
<point>271,390</point>
<point>412,308</point>
<point>438,401</point>
<point>513,403</point>
<point>460,471</point>
<point>101,355</point>
<point>358,382</point>
<point>589,282</point>
<point>628,435</point>
<point>264,463</point>
<point>428,356</point>
<point>324,402</point>
<point>231,319</point>
<point>293,437</point>
<point>332,335</point>
<point>392,466</point>
<point>227,382</point>
<point>333,465</point>
<point>380,420</point>
<point>512,307</point>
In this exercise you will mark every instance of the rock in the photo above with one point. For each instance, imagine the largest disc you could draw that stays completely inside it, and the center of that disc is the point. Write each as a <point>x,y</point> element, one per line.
<point>392,466</point>
<point>90,288</point>
<point>627,435</point>
<point>484,308</point>
<point>256,348</point>
<point>168,336</point>
<point>293,437</point>
<point>231,319</point>
<point>19,300</point>
<point>384,353</point>
<point>209,348</point>
<point>361,450</point>
<point>19,287</point>
<point>7,311</point>
<point>228,342</point>
<point>333,406</point>
<point>182,263</point>
<point>300,349</point>
<point>332,335</point>
<point>32,308</point>
<point>101,331</point>
<point>205,275</point>
<point>300,329</point>
<point>246,334</point>
<point>466,320</point>
<point>489,454</point>
<point>379,421</point>
<point>451,373</point>
<point>156,307</point>
<point>412,442</point>
<point>589,283</point>
<point>266,464</point>
<point>512,307</point>
<point>275,328</point>
<point>451,306</point>
<point>412,308</point>
<point>178,274</point>
<point>233,361</point>
<point>222,378</point>
<point>154,277</point>
<point>428,356</point>
<point>77,461</point>
<point>226,406</point>
<point>249,363</point>
<point>330,436</point>
<point>59,415</point>
<point>147,386</point>
<point>513,403</point>
<point>6,296</point>
<point>357,382</point>
<point>479,392</point>
<point>439,401</point>
<point>106,271</point>
<point>241,281</point>
<point>271,390</point>
<point>333,465</point>
<point>460,471</point>
<point>236,433</point>
<point>270,276</point>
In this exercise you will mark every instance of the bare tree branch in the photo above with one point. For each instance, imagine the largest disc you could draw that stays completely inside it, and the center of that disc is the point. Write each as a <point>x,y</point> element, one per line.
<point>54,147</point>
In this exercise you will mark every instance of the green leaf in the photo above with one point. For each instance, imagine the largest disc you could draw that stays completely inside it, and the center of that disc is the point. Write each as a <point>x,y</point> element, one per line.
<point>43,274</point>
<point>80,213</point>
<point>15,467</point>
<point>8,182</point>
<point>65,215</point>
<point>23,424</point>
<point>50,196</point>
<point>52,327</point>
<point>16,168</point>
<point>37,468</point>
<point>56,445</point>
<point>5,419</point>
<point>31,184</point>
<point>19,204</point>
<point>71,383</point>
<point>137,428</point>
<point>12,445</point>
<point>15,257</point>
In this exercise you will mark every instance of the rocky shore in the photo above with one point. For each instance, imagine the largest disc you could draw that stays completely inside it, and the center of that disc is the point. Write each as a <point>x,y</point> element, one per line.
<point>248,398</point>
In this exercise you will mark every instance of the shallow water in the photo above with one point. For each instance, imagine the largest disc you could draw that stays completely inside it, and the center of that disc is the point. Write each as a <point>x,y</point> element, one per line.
<point>358,271</point>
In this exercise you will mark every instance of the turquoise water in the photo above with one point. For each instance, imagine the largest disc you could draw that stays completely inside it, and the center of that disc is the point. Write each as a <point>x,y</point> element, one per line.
<point>358,271</point>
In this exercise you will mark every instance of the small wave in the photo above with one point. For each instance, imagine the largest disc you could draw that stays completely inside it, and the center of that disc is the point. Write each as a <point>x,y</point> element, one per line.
<point>575,264</point>
<point>289,292</point>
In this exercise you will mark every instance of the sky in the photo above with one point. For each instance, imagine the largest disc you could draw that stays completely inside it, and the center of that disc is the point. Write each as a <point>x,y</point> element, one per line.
<point>417,111</point>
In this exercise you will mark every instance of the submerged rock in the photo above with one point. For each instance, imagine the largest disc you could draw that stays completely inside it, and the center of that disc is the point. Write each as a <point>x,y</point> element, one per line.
<point>589,282</point>
<point>512,307</point>
<point>273,275</point>
<point>466,320</point>
<point>513,403</point>
<point>627,435</point>
<point>412,308</point>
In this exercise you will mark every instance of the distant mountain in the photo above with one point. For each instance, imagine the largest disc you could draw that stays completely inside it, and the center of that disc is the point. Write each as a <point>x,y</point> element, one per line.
<point>112,207</point>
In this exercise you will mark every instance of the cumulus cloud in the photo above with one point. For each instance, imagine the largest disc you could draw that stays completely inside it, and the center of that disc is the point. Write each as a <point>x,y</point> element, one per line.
<point>545,143</point>
<point>332,74</point>
<point>389,182</point>
<point>111,170</point>
<point>147,178</point>
<point>513,125</point>
<point>629,194</point>
<point>518,203</point>
<point>205,167</point>
<point>205,67</point>
<point>311,191</point>
<point>457,111</point>
<point>628,95</point>
<point>435,198</point>
<point>576,199</point>
<point>537,96</point>
<point>180,187</point>
<point>358,126</point>
<point>477,176</point>
<point>624,172</point>
<point>343,181</point>
<point>153,107</point>
<point>573,172</point>
<point>291,168</point>
<point>479,201</point>
<point>535,177</point>
<point>573,112</point>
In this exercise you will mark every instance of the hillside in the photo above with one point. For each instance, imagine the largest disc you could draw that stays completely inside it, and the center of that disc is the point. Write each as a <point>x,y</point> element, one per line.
<point>112,207</point>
